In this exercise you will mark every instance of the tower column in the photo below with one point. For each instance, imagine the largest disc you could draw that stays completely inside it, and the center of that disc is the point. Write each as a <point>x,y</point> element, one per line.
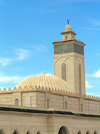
<point>69,61</point>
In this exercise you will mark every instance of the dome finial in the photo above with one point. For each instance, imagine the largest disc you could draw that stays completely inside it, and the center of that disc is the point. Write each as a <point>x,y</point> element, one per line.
<point>68,21</point>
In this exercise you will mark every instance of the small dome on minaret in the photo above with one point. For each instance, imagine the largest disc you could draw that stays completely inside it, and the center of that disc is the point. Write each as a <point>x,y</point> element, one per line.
<point>68,28</point>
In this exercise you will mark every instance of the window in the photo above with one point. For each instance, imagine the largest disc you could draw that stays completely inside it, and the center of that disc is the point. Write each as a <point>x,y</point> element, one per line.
<point>80,79</point>
<point>66,37</point>
<point>64,71</point>
<point>16,102</point>
<point>30,101</point>
<point>28,132</point>
<point>47,103</point>
<point>81,107</point>
<point>15,132</point>
<point>65,104</point>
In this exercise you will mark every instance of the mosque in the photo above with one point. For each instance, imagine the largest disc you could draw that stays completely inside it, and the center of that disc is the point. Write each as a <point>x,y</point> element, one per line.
<point>53,104</point>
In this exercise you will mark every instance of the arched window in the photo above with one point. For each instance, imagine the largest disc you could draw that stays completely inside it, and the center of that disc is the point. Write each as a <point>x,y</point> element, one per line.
<point>1,131</point>
<point>38,132</point>
<point>15,132</point>
<point>47,103</point>
<point>87,132</point>
<point>81,107</point>
<point>95,132</point>
<point>79,132</point>
<point>64,71</point>
<point>16,102</point>
<point>63,130</point>
<point>28,132</point>
<point>65,104</point>
<point>80,79</point>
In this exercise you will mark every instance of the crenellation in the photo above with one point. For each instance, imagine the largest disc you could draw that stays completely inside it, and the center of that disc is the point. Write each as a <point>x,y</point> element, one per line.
<point>19,88</point>
<point>49,90</point>
<point>4,90</point>
<point>9,90</point>
<point>0,90</point>
<point>14,89</point>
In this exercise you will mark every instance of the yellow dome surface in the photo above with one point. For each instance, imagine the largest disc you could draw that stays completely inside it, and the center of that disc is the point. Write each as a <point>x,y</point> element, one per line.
<point>68,28</point>
<point>44,80</point>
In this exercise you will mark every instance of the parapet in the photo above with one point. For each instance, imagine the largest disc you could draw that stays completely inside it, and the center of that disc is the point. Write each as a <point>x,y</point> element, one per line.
<point>49,90</point>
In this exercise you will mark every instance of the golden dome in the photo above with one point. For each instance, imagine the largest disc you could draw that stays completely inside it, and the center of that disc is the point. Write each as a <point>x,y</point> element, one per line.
<point>44,80</point>
<point>68,28</point>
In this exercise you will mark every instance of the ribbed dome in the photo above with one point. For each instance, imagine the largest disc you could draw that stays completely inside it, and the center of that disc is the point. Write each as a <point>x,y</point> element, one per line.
<point>68,28</point>
<point>44,80</point>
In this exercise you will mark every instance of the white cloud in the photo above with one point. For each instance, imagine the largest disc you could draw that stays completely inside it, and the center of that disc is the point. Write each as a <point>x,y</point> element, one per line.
<point>96,74</point>
<point>12,79</point>
<point>88,85</point>
<point>5,61</point>
<point>21,55</point>
<point>39,48</point>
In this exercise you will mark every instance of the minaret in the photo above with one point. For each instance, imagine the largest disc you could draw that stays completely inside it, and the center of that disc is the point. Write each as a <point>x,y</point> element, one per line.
<point>69,60</point>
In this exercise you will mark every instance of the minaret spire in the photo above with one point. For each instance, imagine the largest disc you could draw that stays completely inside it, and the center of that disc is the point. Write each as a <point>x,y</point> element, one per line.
<point>68,21</point>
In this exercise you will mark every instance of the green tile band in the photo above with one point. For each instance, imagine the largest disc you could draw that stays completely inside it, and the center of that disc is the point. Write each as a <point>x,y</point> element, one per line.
<point>68,48</point>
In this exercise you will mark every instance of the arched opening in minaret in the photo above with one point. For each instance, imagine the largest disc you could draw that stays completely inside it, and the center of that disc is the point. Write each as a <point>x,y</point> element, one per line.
<point>63,130</point>
<point>64,71</point>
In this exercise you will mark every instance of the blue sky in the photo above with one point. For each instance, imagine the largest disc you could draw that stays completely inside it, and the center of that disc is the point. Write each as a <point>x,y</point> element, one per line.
<point>28,28</point>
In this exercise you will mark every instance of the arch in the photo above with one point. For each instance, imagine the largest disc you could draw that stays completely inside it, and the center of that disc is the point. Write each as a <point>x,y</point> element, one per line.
<point>64,71</point>
<point>63,130</point>
<point>1,131</point>
<point>79,132</point>
<point>38,132</point>
<point>16,102</point>
<point>87,132</point>
<point>28,132</point>
<point>95,132</point>
<point>15,132</point>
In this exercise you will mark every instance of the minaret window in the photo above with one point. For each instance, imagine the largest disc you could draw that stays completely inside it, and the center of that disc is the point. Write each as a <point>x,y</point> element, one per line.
<point>66,37</point>
<point>64,71</point>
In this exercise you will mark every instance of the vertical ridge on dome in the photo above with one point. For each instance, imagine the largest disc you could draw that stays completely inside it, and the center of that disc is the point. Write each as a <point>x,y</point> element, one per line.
<point>46,81</point>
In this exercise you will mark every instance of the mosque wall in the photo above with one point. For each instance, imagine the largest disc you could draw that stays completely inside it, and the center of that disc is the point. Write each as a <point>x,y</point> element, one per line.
<point>23,122</point>
<point>6,99</point>
<point>42,99</point>
<point>75,125</point>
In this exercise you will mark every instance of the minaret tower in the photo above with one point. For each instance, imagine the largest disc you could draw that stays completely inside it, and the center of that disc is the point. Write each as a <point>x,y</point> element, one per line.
<point>69,60</point>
